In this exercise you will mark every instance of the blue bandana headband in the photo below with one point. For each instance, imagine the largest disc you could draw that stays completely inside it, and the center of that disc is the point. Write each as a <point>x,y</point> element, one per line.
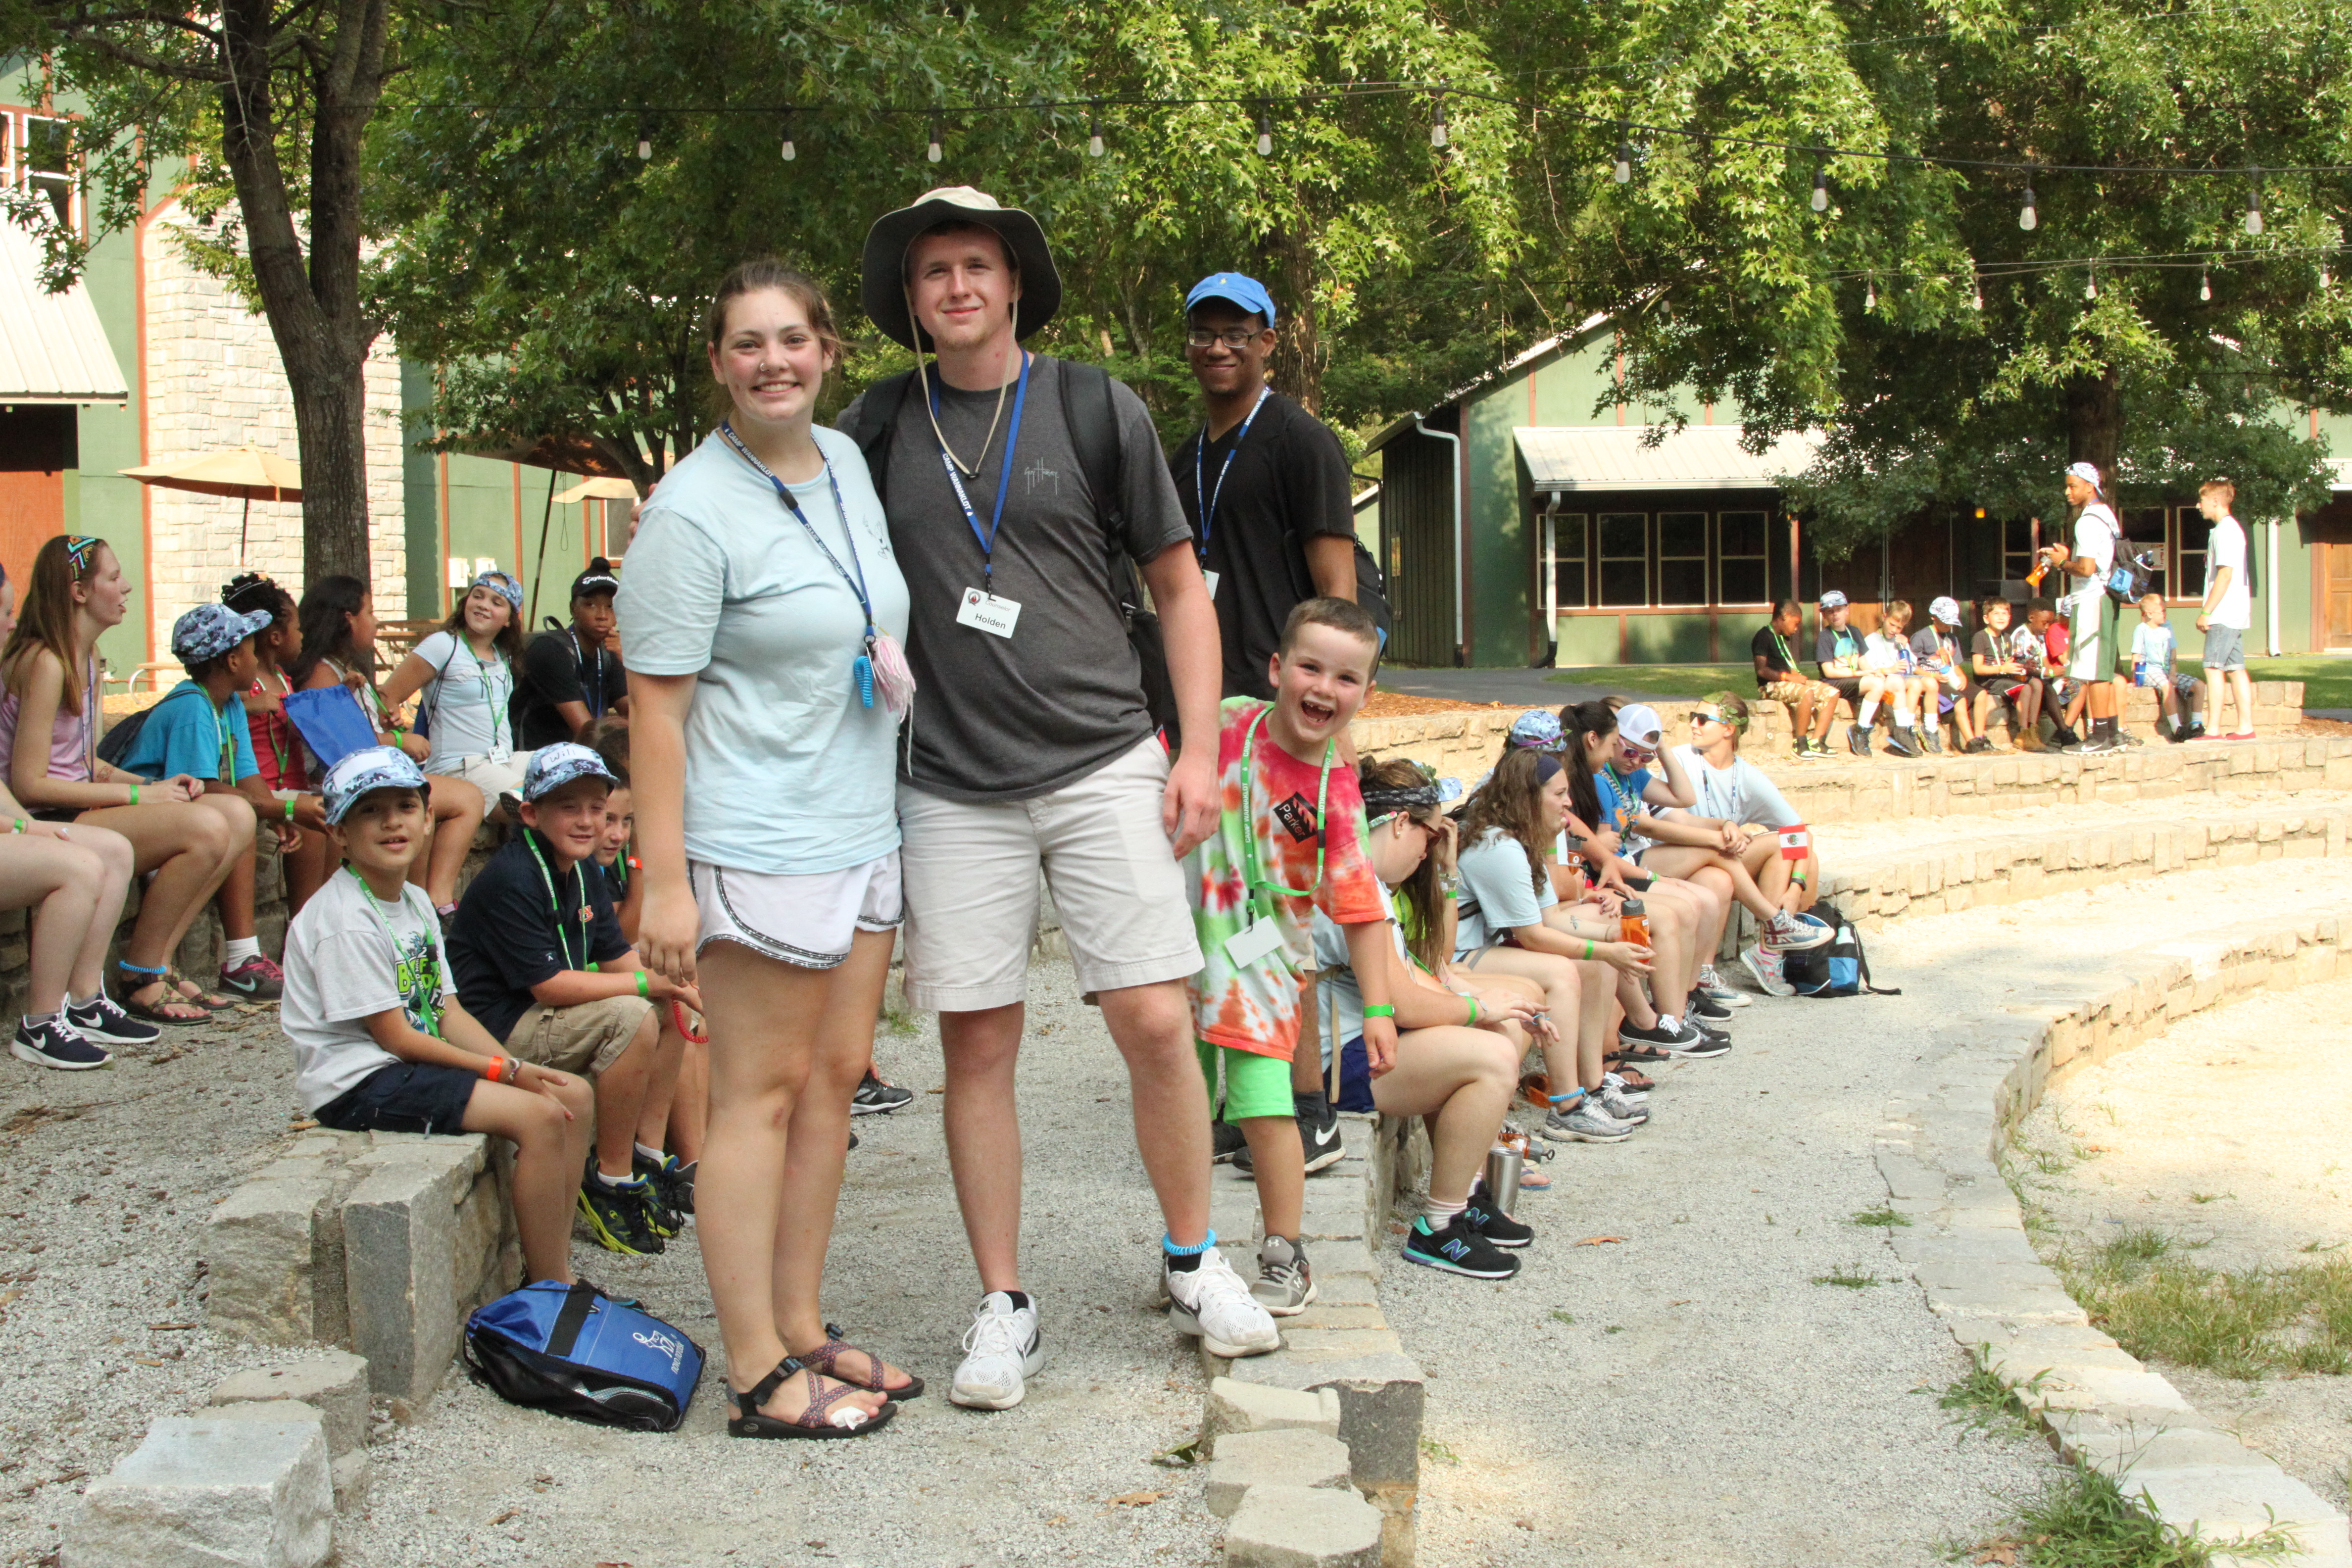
<point>508,588</point>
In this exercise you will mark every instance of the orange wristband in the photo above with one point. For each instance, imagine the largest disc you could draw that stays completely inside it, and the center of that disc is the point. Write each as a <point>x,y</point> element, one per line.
<point>495,1071</point>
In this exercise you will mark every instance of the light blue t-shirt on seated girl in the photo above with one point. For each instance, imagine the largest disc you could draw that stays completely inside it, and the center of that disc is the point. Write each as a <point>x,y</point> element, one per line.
<point>1500,891</point>
<point>787,771</point>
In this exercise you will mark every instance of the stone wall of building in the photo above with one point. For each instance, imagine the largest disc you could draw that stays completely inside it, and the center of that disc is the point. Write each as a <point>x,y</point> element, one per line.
<point>213,380</point>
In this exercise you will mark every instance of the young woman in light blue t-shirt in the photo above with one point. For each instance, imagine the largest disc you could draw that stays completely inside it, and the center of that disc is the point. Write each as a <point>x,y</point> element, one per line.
<point>759,606</point>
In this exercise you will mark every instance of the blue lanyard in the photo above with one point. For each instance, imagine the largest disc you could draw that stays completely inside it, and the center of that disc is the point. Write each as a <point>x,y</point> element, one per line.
<point>1004,478</point>
<point>861,668</point>
<point>1206,499</point>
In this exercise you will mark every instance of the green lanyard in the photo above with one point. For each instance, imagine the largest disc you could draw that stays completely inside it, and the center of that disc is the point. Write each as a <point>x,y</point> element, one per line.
<point>429,1003</point>
<point>1262,891</point>
<point>556,905</point>
<point>1787,657</point>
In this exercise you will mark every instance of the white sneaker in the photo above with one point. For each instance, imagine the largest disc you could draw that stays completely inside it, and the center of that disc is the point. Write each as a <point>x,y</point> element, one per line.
<point>1787,933</point>
<point>1616,1082</point>
<point>1766,967</point>
<point>1002,1349</point>
<point>1618,1105</point>
<point>1212,1302</point>
<point>1711,985</point>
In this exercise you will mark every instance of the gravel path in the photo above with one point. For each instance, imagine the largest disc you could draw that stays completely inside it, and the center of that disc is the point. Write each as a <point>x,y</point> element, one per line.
<point>1066,1478</point>
<point>2227,1134</point>
<point>1710,1403</point>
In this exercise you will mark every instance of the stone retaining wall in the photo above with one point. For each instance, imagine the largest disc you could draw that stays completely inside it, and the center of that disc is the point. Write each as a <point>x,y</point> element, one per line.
<point>380,1243</point>
<point>1941,1135</point>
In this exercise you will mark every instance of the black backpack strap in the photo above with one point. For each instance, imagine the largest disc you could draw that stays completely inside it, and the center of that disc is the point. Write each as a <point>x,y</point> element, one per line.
<point>1093,422</point>
<point>877,417</point>
<point>578,1302</point>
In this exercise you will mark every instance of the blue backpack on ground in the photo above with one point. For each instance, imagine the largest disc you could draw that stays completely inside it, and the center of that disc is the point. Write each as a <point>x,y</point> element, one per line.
<point>1838,967</point>
<point>569,1350</point>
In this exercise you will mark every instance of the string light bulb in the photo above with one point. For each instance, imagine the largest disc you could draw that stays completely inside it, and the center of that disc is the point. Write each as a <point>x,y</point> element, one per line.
<point>2027,218</point>
<point>1820,187</point>
<point>1624,171</point>
<point>2255,205</point>
<point>1870,294</point>
<point>2090,284</point>
<point>2204,285</point>
<point>644,141</point>
<point>935,152</point>
<point>1437,123</point>
<point>791,152</point>
<point>1265,134</point>
<point>1977,303</point>
<point>1093,135</point>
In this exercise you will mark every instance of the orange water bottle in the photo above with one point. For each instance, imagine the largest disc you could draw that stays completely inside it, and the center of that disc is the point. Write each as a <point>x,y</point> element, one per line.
<point>1636,928</point>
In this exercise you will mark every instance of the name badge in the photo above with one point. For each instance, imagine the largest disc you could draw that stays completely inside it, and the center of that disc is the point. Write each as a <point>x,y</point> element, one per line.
<point>988,612</point>
<point>1254,942</point>
<point>1211,579</point>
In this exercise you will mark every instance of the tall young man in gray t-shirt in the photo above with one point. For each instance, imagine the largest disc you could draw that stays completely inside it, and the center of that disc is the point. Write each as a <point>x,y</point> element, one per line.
<point>1030,747</point>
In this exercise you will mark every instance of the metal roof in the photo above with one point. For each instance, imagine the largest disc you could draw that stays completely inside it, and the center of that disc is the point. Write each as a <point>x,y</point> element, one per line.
<point>52,349</point>
<point>1695,458</point>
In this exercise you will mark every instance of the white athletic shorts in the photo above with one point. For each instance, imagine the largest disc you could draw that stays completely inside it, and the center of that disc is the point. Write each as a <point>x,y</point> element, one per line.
<point>492,778</point>
<point>808,921</point>
<point>972,887</point>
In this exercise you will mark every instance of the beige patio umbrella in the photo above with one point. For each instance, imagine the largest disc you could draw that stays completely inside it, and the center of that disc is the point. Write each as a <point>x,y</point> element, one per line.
<point>598,490</point>
<point>247,472</point>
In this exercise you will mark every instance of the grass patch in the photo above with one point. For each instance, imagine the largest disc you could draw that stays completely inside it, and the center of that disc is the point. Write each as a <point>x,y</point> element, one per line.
<point>1982,1402</point>
<point>1851,1278</point>
<point>1563,1317</point>
<point>901,1021</point>
<point>2241,1324</point>
<point>1663,680</point>
<point>1883,1215</point>
<point>2083,1519</point>
<point>1439,1452</point>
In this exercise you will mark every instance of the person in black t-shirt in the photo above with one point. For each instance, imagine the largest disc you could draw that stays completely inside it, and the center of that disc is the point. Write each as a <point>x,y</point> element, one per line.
<point>1263,483</point>
<point>1811,704</point>
<point>572,678</point>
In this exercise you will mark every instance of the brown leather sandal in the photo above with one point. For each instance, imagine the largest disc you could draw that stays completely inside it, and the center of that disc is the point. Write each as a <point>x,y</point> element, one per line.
<point>826,1358</point>
<point>814,1422</point>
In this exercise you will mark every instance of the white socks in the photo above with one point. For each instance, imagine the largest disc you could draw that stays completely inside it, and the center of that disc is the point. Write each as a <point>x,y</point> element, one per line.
<point>237,949</point>
<point>1440,1215</point>
<point>1869,708</point>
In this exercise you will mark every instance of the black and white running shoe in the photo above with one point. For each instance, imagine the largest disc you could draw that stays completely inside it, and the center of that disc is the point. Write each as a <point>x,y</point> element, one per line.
<point>1318,1131</point>
<point>102,1022</point>
<point>54,1043</point>
<point>873,1097</point>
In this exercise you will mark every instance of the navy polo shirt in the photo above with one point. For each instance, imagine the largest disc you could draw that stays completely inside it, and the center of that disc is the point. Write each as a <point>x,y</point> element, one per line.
<point>505,939</point>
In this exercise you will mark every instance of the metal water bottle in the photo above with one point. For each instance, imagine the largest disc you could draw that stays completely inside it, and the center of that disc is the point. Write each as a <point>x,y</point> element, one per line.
<point>1503,1165</point>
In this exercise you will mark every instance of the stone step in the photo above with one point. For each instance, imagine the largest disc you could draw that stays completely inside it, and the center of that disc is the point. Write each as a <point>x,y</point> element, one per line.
<point>1965,871</point>
<point>211,1491</point>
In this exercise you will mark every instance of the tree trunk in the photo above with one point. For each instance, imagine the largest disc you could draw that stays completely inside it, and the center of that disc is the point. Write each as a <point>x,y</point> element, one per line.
<point>1297,365</point>
<point>309,292</point>
<point>2094,421</point>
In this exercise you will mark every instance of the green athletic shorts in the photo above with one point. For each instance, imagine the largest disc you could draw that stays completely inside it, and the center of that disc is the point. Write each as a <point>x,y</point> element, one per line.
<point>1254,1085</point>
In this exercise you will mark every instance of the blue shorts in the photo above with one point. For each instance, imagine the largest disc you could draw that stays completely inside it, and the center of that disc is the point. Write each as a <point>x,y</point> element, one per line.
<point>1355,1077</point>
<point>408,1097</point>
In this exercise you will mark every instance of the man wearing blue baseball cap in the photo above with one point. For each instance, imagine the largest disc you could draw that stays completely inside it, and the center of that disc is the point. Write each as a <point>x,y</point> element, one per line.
<point>1263,483</point>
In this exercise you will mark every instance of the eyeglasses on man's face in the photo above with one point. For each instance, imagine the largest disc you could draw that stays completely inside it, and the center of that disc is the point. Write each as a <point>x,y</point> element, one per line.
<point>1234,338</point>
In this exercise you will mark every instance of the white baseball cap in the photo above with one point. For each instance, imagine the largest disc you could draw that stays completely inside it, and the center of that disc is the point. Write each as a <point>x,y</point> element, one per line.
<point>1638,725</point>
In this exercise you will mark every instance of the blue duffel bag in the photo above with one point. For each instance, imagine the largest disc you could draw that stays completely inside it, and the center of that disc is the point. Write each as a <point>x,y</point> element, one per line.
<point>567,1348</point>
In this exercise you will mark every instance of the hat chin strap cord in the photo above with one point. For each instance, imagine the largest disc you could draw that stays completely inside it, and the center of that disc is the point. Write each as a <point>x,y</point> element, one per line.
<point>968,470</point>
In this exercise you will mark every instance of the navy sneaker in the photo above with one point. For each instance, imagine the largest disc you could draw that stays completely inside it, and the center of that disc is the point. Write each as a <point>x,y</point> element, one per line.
<point>1458,1249</point>
<point>1492,1223</point>
<point>54,1043</point>
<point>102,1022</point>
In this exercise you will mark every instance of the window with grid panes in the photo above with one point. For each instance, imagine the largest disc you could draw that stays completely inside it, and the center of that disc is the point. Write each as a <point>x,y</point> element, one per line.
<point>1682,558</point>
<point>45,163</point>
<point>2016,550</point>
<point>1624,557</point>
<point>1739,558</point>
<point>2191,531</point>
<point>1571,537</point>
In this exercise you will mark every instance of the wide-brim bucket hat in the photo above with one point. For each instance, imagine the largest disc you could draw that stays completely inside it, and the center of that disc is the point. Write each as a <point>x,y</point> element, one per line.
<point>882,285</point>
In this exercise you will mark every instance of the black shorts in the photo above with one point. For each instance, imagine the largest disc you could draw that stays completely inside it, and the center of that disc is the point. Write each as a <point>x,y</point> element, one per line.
<point>408,1097</point>
<point>1846,686</point>
<point>55,812</point>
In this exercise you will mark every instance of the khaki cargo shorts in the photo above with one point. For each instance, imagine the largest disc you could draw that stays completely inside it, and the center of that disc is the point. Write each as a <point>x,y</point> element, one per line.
<point>585,1038</point>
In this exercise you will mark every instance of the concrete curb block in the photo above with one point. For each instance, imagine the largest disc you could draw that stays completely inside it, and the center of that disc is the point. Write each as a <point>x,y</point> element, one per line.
<point>1340,1352</point>
<point>1938,1150</point>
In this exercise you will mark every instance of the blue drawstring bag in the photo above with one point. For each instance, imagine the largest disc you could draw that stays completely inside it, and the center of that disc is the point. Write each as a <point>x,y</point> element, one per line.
<point>573,1350</point>
<point>331,724</point>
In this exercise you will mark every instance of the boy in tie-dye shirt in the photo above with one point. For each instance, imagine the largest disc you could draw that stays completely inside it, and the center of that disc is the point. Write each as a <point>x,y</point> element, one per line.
<point>1290,841</point>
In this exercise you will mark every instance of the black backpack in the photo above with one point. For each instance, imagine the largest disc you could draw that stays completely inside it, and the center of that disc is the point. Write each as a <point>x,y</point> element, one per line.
<point>1093,432</point>
<point>116,743</point>
<point>1836,968</point>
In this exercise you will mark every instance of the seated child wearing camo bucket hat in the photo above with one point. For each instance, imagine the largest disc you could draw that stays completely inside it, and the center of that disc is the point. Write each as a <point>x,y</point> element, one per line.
<point>539,959</point>
<point>381,1040</point>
